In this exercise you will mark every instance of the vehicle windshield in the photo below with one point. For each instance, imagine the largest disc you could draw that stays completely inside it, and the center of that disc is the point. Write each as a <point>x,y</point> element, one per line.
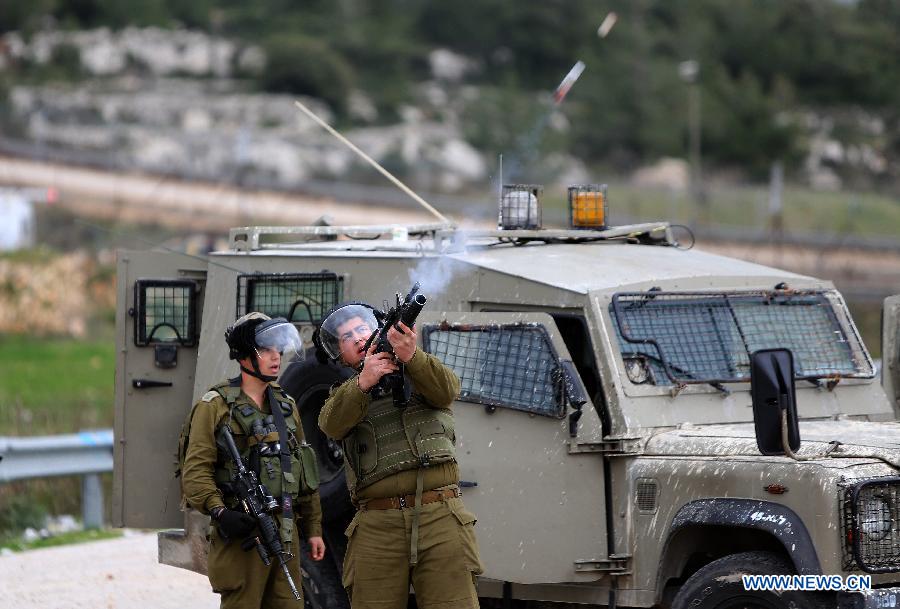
<point>707,337</point>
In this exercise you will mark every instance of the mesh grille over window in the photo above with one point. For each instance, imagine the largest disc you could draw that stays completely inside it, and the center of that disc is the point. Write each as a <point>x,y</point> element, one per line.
<point>164,312</point>
<point>871,539</point>
<point>708,337</point>
<point>511,365</point>
<point>298,297</point>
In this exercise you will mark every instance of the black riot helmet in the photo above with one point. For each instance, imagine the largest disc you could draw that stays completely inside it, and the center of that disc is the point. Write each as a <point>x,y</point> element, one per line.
<point>255,332</point>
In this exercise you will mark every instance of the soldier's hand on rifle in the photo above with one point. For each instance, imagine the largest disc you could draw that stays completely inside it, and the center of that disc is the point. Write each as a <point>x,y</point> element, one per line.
<point>234,524</point>
<point>316,548</point>
<point>403,343</point>
<point>375,366</point>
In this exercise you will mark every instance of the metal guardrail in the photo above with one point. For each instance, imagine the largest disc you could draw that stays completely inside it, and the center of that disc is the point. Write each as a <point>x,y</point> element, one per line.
<point>87,454</point>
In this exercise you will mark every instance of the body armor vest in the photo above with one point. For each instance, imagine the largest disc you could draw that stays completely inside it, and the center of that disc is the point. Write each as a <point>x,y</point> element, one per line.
<point>257,440</point>
<point>390,440</point>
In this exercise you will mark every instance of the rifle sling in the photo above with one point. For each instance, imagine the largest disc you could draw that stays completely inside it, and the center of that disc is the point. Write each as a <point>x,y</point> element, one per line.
<point>285,453</point>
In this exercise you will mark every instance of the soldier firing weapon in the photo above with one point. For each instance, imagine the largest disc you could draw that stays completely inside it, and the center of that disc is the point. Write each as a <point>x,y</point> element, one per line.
<point>406,311</point>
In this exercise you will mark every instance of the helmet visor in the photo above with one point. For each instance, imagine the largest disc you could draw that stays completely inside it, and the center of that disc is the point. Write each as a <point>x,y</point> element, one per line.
<point>344,332</point>
<point>279,335</point>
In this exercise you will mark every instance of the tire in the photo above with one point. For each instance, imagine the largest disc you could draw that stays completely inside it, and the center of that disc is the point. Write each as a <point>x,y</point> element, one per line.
<point>718,585</point>
<point>309,383</point>
<point>322,587</point>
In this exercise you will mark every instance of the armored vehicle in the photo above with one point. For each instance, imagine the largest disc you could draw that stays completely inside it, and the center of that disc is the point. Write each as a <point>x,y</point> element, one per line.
<point>605,428</point>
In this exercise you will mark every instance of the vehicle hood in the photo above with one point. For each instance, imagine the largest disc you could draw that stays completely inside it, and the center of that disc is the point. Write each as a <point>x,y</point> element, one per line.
<point>858,439</point>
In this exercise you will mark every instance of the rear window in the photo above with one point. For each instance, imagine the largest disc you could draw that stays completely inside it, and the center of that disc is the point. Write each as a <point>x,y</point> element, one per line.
<point>298,297</point>
<point>676,338</point>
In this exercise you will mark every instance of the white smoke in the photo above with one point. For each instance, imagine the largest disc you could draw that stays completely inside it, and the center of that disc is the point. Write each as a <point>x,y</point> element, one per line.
<point>435,274</point>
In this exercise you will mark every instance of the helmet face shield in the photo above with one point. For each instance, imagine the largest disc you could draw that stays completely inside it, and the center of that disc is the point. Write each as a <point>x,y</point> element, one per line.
<point>345,330</point>
<point>281,336</point>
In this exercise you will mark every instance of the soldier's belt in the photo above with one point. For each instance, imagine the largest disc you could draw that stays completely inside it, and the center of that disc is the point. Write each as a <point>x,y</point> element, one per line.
<point>408,501</point>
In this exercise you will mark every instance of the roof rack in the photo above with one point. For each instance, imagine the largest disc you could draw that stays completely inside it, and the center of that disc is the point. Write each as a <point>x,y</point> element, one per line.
<point>250,238</point>
<point>656,233</point>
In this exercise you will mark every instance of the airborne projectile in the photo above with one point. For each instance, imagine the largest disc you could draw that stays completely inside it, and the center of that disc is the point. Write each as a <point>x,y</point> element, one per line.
<point>567,82</point>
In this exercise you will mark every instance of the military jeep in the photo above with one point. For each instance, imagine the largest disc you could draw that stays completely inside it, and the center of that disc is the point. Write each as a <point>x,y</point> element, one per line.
<point>605,427</point>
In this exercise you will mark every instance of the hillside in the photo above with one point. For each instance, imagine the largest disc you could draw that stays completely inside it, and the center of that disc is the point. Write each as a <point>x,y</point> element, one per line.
<point>437,92</point>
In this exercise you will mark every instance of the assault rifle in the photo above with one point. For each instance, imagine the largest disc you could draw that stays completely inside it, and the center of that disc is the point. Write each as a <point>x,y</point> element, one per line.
<point>259,503</point>
<point>406,311</point>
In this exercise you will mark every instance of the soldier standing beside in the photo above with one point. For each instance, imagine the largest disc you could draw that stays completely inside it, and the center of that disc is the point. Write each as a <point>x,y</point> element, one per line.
<point>259,414</point>
<point>411,526</point>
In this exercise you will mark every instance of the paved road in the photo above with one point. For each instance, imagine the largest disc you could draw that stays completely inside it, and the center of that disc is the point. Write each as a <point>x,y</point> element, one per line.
<point>112,574</point>
<point>132,197</point>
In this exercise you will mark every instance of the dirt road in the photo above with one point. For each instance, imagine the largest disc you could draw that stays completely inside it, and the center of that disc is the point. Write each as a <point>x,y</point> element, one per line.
<point>112,574</point>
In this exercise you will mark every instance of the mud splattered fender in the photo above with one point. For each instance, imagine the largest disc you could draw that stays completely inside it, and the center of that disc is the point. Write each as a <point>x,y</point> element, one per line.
<point>780,521</point>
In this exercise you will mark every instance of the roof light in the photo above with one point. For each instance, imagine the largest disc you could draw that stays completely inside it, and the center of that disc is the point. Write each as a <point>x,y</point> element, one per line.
<point>520,207</point>
<point>587,206</point>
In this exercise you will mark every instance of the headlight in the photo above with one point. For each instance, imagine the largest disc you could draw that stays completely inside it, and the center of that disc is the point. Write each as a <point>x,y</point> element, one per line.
<point>871,540</point>
<point>875,519</point>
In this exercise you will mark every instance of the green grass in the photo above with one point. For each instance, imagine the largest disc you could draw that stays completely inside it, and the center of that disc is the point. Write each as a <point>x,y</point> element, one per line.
<point>62,539</point>
<point>55,385</point>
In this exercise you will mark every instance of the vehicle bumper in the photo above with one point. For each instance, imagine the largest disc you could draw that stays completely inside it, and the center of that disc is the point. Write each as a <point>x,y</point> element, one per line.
<point>882,598</point>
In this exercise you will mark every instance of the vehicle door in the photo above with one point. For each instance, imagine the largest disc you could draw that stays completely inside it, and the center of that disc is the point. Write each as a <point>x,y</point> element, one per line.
<point>158,312</point>
<point>540,504</point>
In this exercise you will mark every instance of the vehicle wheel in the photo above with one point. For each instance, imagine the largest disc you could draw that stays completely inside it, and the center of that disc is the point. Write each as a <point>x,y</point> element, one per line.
<point>309,382</point>
<point>718,585</point>
<point>322,587</point>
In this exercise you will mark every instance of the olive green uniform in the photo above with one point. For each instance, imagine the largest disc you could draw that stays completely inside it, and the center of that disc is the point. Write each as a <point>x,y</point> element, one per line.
<point>241,577</point>
<point>432,547</point>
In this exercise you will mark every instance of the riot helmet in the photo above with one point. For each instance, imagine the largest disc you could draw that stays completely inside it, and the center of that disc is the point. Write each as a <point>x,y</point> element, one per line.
<point>256,334</point>
<point>345,330</point>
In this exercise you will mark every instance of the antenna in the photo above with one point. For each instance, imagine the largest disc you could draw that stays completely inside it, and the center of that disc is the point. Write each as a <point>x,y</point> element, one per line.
<point>500,179</point>
<point>371,162</point>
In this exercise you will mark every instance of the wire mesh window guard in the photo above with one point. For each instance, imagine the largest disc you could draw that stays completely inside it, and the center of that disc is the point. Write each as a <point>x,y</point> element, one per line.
<point>165,312</point>
<point>871,536</point>
<point>705,337</point>
<point>512,365</point>
<point>298,297</point>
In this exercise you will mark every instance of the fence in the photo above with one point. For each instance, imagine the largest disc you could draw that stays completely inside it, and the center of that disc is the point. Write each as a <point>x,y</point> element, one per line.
<point>87,454</point>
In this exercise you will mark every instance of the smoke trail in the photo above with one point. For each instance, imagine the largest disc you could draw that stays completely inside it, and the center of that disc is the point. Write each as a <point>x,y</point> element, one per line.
<point>435,274</point>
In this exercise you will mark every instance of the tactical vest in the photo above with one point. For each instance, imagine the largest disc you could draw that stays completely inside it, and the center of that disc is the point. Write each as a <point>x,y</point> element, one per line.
<point>390,440</point>
<point>257,440</point>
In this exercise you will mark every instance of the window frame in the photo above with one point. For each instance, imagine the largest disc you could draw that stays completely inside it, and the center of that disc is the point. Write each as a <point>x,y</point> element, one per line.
<point>246,285</point>
<point>143,338</point>
<point>836,311</point>
<point>556,373</point>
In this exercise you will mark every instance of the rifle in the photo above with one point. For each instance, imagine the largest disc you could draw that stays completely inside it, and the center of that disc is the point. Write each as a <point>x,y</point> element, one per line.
<point>406,311</point>
<point>258,502</point>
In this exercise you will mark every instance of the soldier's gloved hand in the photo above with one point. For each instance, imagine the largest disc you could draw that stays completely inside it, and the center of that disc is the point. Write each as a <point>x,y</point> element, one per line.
<point>233,523</point>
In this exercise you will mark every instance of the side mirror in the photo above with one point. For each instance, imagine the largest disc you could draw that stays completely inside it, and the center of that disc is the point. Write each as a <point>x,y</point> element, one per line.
<point>772,390</point>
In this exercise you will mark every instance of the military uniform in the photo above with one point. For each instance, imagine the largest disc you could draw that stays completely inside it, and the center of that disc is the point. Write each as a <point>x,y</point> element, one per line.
<point>240,576</point>
<point>393,455</point>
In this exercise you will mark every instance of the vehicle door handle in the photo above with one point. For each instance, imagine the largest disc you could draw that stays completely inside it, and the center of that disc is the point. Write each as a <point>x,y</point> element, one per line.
<point>147,383</point>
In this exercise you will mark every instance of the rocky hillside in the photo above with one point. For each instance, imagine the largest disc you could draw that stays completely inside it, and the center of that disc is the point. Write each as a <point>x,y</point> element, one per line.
<point>181,103</point>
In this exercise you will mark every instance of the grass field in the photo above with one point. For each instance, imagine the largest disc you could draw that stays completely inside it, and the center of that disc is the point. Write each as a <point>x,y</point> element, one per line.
<point>51,386</point>
<point>55,385</point>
